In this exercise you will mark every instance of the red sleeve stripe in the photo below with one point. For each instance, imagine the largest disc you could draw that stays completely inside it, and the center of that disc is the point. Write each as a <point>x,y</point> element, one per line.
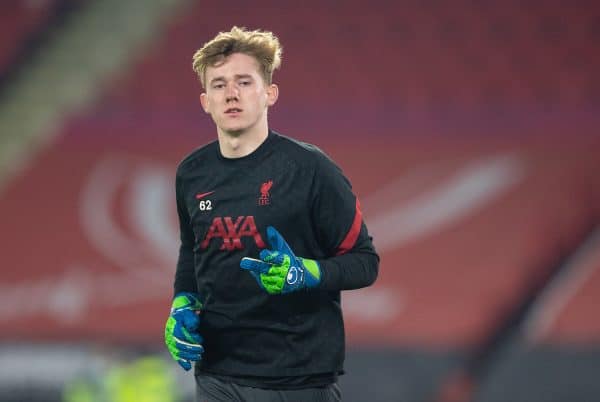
<point>352,236</point>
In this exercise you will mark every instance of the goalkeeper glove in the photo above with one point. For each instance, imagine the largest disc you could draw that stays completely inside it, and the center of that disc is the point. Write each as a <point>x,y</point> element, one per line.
<point>181,331</point>
<point>279,270</point>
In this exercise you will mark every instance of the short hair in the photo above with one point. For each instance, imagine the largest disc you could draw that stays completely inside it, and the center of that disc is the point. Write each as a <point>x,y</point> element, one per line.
<point>262,45</point>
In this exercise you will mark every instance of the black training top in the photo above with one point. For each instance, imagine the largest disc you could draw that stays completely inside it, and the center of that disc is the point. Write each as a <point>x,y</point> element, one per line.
<point>224,207</point>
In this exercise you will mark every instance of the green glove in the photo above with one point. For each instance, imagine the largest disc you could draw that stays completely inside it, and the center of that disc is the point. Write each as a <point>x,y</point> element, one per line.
<point>181,331</point>
<point>279,270</point>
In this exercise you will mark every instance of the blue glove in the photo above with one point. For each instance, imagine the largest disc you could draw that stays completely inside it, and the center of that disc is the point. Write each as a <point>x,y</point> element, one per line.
<point>279,270</point>
<point>181,331</point>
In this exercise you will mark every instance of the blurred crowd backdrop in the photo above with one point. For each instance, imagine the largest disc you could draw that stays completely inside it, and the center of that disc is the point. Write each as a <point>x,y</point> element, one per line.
<point>469,129</point>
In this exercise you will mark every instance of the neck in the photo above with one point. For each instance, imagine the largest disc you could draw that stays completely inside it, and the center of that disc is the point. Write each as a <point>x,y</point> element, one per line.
<point>240,144</point>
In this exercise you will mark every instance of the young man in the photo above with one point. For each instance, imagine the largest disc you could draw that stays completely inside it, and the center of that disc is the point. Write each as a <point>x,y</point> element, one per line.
<point>270,234</point>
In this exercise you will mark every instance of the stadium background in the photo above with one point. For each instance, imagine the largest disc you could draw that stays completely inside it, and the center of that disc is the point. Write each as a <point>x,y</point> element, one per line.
<point>468,128</point>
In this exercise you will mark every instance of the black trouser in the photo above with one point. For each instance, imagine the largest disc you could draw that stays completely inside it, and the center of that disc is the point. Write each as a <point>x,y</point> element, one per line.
<point>210,389</point>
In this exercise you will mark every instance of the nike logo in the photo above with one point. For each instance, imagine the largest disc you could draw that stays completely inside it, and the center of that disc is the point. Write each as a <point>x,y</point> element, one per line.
<point>202,195</point>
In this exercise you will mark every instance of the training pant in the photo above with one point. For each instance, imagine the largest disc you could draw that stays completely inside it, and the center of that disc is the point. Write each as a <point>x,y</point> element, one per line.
<point>210,389</point>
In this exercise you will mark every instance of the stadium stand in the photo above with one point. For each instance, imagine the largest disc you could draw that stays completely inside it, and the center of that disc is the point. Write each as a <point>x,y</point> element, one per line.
<point>554,355</point>
<point>19,20</point>
<point>464,54</point>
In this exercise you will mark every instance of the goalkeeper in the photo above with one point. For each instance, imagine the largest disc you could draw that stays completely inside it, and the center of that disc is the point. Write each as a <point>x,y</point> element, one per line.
<point>270,232</point>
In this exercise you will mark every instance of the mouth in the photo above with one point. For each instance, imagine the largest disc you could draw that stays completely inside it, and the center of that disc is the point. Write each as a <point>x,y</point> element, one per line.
<point>233,110</point>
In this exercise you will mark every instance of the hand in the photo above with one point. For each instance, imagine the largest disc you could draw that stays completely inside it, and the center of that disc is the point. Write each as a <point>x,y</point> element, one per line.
<point>279,270</point>
<point>181,331</point>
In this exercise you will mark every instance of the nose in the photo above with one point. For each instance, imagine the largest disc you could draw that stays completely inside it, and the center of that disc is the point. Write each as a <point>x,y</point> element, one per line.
<point>231,92</point>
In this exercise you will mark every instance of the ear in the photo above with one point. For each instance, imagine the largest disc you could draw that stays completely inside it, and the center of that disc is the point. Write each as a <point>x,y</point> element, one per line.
<point>272,94</point>
<point>204,101</point>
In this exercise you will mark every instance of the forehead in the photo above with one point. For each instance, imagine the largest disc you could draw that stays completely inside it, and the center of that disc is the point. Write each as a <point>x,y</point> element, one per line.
<point>232,65</point>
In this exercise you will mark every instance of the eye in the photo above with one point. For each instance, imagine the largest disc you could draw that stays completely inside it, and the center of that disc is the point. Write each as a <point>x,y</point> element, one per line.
<point>218,86</point>
<point>245,83</point>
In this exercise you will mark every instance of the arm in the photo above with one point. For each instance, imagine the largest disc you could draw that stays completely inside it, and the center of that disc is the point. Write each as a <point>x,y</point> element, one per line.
<point>181,330</point>
<point>354,269</point>
<point>280,271</point>
<point>185,279</point>
<point>340,233</point>
<point>354,263</point>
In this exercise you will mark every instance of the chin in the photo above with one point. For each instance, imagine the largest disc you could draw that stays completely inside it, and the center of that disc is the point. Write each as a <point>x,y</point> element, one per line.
<point>235,131</point>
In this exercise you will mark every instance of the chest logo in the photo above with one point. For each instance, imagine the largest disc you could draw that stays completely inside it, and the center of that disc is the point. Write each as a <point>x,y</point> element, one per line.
<point>204,204</point>
<point>231,231</point>
<point>265,193</point>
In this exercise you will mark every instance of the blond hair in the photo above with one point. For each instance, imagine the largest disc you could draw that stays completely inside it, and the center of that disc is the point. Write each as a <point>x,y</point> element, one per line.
<point>262,45</point>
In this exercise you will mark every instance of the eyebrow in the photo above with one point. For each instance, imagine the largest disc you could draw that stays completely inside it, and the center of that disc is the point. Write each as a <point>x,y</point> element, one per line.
<point>237,77</point>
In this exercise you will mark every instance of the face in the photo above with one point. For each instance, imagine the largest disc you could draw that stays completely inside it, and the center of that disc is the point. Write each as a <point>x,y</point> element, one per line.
<point>237,97</point>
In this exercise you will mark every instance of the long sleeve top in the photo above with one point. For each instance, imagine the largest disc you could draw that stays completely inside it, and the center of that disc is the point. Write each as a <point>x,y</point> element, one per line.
<point>224,207</point>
